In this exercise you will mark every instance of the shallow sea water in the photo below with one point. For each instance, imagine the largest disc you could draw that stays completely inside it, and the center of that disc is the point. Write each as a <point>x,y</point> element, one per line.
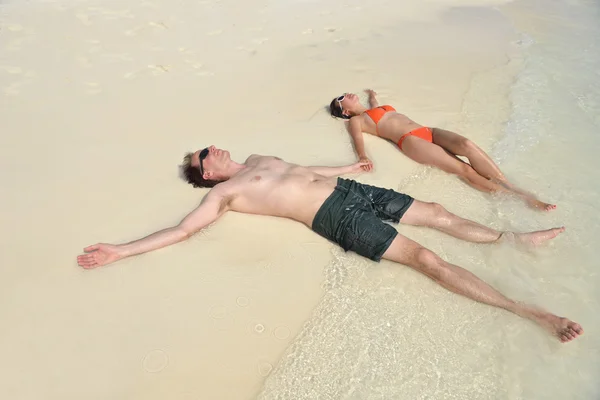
<point>383,332</point>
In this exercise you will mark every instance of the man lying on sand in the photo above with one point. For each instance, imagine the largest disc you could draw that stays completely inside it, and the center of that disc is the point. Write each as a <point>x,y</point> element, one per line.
<point>344,211</point>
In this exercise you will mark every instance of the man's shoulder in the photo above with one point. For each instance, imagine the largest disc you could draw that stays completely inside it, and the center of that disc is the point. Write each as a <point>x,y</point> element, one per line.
<point>224,189</point>
<point>260,156</point>
<point>252,157</point>
<point>223,192</point>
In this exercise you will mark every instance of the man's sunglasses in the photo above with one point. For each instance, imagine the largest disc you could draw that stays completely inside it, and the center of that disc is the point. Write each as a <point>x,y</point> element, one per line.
<point>203,154</point>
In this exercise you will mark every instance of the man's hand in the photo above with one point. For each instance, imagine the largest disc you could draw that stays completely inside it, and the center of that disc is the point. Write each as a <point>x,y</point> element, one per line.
<point>364,164</point>
<point>213,205</point>
<point>98,255</point>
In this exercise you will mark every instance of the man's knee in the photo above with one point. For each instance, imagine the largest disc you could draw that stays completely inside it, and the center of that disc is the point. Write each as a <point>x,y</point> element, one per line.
<point>430,264</point>
<point>436,214</point>
<point>436,209</point>
<point>425,256</point>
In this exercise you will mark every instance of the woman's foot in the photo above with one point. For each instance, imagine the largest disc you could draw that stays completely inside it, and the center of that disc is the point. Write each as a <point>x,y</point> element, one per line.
<point>539,237</point>
<point>540,205</point>
<point>529,197</point>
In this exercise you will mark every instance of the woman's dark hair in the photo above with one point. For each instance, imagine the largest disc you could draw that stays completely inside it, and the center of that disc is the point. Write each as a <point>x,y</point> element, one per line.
<point>193,176</point>
<point>336,109</point>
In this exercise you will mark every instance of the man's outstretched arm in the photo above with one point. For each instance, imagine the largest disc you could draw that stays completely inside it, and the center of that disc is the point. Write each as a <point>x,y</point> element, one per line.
<point>337,171</point>
<point>212,207</point>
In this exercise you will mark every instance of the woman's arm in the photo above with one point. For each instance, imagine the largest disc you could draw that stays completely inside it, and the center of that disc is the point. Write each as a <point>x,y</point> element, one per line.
<point>212,207</point>
<point>355,129</point>
<point>372,99</point>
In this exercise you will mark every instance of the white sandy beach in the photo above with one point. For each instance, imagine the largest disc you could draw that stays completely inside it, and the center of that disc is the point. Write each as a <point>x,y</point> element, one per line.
<point>99,101</point>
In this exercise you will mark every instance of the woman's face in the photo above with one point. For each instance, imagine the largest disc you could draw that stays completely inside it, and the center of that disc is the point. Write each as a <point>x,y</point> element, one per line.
<point>350,101</point>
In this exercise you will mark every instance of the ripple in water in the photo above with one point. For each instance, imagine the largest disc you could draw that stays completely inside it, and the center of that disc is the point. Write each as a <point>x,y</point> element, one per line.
<point>242,301</point>
<point>281,332</point>
<point>155,361</point>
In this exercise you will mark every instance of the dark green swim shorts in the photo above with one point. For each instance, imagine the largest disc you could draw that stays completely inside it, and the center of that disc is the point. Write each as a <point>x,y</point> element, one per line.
<point>353,215</point>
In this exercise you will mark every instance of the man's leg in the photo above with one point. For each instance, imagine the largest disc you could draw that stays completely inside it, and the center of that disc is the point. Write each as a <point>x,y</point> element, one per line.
<point>435,216</point>
<point>460,281</point>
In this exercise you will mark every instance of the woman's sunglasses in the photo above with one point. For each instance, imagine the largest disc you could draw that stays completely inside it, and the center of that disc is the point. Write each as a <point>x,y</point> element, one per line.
<point>339,100</point>
<point>203,154</point>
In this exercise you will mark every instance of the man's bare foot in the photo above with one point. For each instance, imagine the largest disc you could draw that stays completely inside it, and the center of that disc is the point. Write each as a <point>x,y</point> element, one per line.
<point>540,205</point>
<point>563,328</point>
<point>539,237</point>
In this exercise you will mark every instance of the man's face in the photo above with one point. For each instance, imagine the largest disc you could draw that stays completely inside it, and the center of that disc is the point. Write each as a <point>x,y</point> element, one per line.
<point>211,161</point>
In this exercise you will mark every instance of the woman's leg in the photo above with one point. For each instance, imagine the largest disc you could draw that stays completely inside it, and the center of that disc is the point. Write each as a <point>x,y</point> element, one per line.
<point>461,146</point>
<point>462,282</point>
<point>438,155</point>
<point>482,163</point>
<point>427,153</point>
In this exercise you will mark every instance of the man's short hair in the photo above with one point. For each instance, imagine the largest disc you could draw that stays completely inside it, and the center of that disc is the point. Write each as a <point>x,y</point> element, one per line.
<point>193,176</point>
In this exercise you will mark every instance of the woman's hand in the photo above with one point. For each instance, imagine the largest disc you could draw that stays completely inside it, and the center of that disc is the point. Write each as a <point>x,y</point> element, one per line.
<point>364,164</point>
<point>372,99</point>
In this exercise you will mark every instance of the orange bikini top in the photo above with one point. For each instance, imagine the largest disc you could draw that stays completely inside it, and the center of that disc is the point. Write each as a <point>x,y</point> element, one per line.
<point>378,112</point>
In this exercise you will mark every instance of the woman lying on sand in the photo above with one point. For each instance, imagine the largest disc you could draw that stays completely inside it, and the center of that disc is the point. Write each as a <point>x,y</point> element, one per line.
<point>429,146</point>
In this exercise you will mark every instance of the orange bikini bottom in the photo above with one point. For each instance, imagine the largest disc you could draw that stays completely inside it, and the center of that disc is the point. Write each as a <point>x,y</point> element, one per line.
<point>423,133</point>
